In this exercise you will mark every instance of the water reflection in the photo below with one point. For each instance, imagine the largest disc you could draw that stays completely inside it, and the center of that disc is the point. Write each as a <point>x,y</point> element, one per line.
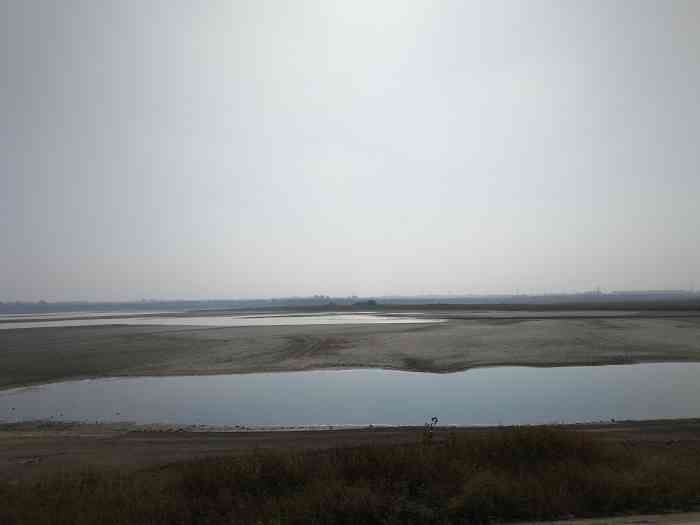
<point>505,395</point>
<point>221,320</point>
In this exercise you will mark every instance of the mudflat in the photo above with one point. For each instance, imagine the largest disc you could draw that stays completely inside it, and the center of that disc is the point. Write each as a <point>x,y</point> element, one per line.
<point>40,355</point>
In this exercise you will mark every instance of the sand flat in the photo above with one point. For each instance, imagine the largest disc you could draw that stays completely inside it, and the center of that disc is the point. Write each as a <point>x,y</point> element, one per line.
<point>34,356</point>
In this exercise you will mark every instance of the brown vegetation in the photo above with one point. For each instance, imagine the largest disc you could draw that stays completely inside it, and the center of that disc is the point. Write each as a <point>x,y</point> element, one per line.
<point>507,474</point>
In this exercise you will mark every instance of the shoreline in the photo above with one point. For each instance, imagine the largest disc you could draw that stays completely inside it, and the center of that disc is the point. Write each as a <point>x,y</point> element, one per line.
<point>409,317</point>
<point>47,425</point>
<point>4,390</point>
<point>34,450</point>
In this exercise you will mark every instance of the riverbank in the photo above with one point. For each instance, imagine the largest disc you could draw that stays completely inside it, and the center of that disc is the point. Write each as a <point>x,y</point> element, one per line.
<point>42,355</point>
<point>32,450</point>
<point>98,474</point>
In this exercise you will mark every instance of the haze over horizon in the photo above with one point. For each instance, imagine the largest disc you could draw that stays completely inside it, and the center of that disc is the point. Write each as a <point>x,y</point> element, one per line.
<point>270,149</point>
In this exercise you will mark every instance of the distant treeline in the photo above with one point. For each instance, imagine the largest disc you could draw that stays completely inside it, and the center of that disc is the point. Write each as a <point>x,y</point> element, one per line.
<point>663,299</point>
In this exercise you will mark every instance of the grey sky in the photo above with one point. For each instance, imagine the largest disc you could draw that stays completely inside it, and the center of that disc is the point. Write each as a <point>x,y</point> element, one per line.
<point>258,148</point>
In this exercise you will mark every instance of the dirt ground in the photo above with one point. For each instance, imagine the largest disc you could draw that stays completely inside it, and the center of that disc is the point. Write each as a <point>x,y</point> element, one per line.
<point>29,450</point>
<point>683,518</point>
<point>40,355</point>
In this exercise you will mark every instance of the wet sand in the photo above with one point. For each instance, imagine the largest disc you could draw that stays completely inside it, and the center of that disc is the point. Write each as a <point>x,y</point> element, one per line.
<point>41,355</point>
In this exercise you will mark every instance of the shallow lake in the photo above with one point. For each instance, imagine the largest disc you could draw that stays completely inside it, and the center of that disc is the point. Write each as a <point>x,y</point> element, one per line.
<point>486,396</point>
<point>213,320</point>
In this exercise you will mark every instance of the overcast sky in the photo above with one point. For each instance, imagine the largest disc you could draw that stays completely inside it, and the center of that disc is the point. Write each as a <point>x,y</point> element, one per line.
<point>224,149</point>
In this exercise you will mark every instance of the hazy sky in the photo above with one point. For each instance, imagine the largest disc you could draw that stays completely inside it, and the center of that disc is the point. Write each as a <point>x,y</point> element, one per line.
<point>223,149</point>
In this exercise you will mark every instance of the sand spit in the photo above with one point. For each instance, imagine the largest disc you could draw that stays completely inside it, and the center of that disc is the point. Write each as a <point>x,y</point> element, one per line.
<point>42,355</point>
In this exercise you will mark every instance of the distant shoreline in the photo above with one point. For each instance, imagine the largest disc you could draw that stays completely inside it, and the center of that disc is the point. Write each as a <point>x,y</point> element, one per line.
<point>650,300</point>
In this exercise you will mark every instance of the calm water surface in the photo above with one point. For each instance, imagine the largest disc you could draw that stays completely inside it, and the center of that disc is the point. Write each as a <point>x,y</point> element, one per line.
<point>49,316</point>
<point>216,320</point>
<point>504,395</point>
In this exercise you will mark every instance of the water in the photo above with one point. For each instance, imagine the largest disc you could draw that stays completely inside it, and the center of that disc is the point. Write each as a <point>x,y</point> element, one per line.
<point>77,314</point>
<point>213,320</point>
<point>487,396</point>
<point>539,314</point>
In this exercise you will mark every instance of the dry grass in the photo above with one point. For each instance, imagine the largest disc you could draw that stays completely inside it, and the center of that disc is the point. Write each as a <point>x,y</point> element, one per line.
<point>504,475</point>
